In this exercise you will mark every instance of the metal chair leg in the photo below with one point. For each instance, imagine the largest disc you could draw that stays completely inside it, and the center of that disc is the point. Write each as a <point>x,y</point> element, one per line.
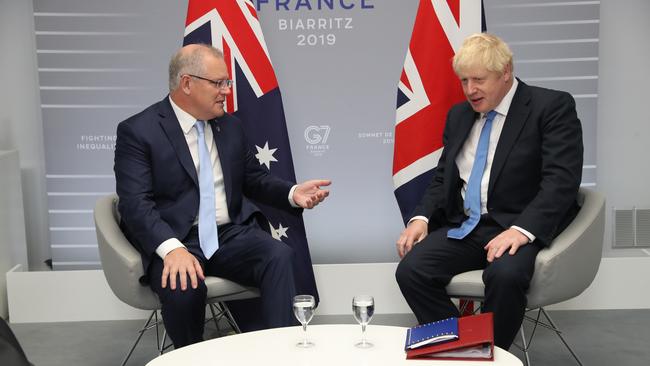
<point>215,317</point>
<point>154,322</point>
<point>551,326</point>
<point>524,347</point>
<point>146,327</point>
<point>229,318</point>
<point>559,334</point>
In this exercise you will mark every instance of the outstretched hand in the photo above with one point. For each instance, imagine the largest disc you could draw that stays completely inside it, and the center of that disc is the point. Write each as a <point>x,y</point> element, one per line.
<point>309,194</point>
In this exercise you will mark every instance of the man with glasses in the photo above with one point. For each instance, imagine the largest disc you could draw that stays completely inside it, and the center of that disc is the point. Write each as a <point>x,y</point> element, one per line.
<point>188,221</point>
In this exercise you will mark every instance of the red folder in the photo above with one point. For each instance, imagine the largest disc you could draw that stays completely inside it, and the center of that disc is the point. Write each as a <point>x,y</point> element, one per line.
<point>475,342</point>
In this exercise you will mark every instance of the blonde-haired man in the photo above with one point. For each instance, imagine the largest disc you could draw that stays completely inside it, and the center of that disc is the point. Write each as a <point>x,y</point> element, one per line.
<point>504,187</point>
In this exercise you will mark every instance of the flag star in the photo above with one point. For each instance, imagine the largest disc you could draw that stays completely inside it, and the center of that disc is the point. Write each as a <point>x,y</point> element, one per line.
<point>282,231</point>
<point>265,155</point>
<point>278,233</point>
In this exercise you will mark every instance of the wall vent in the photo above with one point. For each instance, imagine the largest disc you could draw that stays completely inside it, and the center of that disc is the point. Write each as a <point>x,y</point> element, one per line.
<point>643,227</point>
<point>631,228</point>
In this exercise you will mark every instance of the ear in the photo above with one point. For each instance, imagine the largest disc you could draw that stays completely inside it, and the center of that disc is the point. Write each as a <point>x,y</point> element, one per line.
<point>507,73</point>
<point>185,84</point>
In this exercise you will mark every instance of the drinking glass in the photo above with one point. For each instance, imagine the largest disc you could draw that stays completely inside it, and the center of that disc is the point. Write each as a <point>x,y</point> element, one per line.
<point>363,307</point>
<point>303,309</point>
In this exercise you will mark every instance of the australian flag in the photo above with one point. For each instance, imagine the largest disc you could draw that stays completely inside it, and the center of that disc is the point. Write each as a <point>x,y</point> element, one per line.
<point>428,87</point>
<point>233,27</point>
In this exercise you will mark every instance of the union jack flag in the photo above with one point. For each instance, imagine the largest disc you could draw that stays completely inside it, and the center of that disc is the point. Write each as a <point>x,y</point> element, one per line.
<point>233,27</point>
<point>427,89</point>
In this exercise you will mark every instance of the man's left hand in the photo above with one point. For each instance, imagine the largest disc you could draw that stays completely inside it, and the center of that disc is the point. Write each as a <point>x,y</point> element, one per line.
<point>510,239</point>
<point>309,194</point>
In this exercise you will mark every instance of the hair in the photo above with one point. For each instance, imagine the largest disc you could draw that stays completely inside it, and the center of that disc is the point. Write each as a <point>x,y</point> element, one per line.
<point>189,61</point>
<point>484,50</point>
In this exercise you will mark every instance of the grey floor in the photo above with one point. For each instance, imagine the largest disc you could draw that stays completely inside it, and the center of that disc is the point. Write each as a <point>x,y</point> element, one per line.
<point>600,338</point>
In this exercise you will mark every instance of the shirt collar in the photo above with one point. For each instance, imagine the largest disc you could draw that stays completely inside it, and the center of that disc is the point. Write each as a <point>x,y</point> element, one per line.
<point>504,106</point>
<point>184,119</point>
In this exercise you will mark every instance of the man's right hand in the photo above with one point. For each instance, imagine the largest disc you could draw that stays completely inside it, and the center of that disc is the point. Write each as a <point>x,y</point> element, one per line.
<point>181,263</point>
<point>414,232</point>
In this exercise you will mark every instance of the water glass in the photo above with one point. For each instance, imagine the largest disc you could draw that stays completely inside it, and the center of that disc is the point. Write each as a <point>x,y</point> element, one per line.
<point>303,309</point>
<point>363,307</point>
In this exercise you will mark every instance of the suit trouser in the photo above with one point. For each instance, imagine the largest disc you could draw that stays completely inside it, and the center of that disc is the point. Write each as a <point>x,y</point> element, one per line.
<point>247,255</point>
<point>427,269</point>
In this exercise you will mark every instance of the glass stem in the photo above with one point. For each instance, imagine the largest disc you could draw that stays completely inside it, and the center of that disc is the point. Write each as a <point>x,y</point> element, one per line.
<point>363,333</point>
<point>304,328</point>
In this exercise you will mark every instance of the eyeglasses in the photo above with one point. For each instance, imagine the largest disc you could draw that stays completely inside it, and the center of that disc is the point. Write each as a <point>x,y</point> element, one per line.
<point>223,83</point>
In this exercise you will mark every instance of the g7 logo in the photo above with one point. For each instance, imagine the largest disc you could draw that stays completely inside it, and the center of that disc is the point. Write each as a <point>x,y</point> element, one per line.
<point>317,134</point>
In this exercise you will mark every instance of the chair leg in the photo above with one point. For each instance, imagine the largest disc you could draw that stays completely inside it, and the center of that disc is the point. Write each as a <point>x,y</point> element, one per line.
<point>551,326</point>
<point>147,326</point>
<point>559,334</point>
<point>229,318</point>
<point>216,315</point>
<point>220,310</point>
<point>525,346</point>
<point>154,322</point>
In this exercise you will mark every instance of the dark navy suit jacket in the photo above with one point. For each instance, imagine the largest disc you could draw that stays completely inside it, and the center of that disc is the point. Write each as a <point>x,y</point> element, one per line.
<point>158,184</point>
<point>536,171</point>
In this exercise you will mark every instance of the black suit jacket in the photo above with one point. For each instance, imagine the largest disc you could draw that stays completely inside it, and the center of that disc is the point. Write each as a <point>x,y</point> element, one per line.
<point>536,171</point>
<point>158,185</point>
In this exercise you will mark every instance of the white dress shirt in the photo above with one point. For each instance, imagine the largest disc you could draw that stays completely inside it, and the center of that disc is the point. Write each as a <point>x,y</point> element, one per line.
<point>465,158</point>
<point>187,123</point>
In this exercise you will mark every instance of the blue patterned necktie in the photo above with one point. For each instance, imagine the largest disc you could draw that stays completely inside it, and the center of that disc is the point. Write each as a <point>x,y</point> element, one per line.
<point>473,194</point>
<point>208,238</point>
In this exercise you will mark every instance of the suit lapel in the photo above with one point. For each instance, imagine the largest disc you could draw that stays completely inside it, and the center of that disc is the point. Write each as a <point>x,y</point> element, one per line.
<point>467,119</point>
<point>515,121</point>
<point>172,128</point>
<point>452,175</point>
<point>221,142</point>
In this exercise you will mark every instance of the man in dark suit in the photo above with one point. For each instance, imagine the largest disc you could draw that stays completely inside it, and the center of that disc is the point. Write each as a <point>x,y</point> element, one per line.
<point>189,221</point>
<point>505,186</point>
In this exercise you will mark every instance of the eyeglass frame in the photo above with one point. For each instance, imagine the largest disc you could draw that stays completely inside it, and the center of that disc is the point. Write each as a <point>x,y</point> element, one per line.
<point>220,84</point>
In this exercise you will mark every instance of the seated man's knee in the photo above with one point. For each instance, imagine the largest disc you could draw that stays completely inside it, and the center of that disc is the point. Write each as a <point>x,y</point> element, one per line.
<point>185,299</point>
<point>405,272</point>
<point>505,276</point>
<point>281,254</point>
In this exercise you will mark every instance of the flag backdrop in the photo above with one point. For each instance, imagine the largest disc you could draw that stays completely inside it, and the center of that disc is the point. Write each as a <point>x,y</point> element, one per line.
<point>427,89</point>
<point>232,26</point>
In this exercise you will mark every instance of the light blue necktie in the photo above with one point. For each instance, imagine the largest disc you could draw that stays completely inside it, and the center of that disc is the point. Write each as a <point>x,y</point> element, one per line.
<point>208,238</point>
<point>473,193</point>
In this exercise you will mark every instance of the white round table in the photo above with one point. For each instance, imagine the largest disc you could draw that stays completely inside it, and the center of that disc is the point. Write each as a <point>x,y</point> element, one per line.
<point>334,347</point>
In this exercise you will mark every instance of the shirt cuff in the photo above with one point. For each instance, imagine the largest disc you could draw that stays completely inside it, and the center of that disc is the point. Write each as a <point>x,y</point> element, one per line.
<point>291,201</point>
<point>167,246</point>
<point>418,218</point>
<point>531,237</point>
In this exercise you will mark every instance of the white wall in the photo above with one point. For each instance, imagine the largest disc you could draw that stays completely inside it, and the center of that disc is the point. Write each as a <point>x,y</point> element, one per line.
<point>623,114</point>
<point>21,127</point>
<point>13,250</point>
<point>85,295</point>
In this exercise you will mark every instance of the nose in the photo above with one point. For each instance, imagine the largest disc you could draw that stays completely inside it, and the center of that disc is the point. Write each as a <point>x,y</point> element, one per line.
<point>471,87</point>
